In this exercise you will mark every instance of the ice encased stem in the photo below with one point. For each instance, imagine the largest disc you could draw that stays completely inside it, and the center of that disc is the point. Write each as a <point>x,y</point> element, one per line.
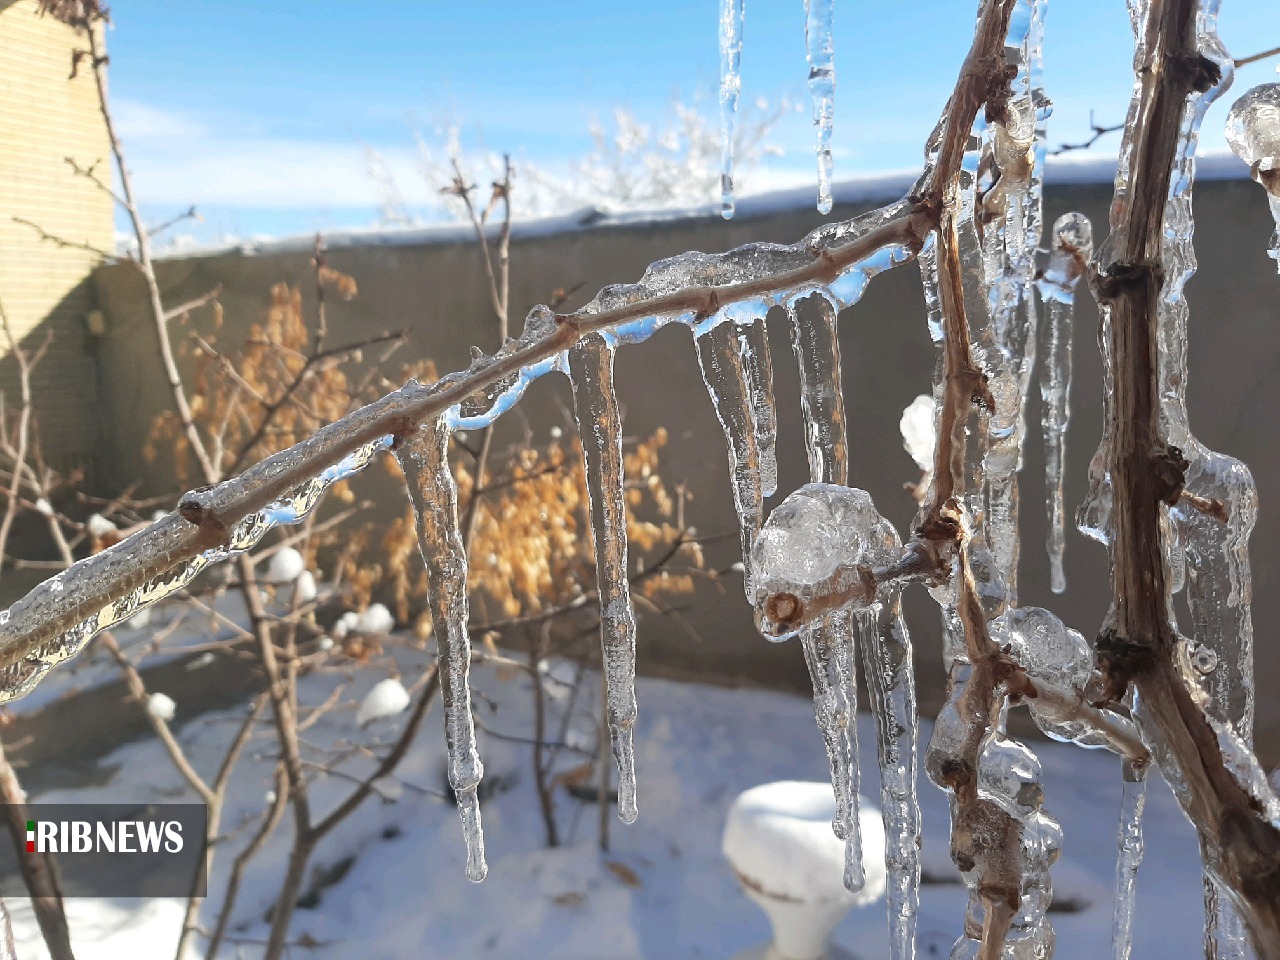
<point>731,16</point>
<point>424,458</point>
<point>820,49</point>
<point>600,425</point>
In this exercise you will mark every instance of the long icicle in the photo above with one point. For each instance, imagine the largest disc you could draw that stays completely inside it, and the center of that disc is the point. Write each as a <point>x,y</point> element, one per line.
<point>600,424</point>
<point>424,458</point>
<point>720,358</point>
<point>1068,261</point>
<point>822,406</point>
<point>820,49</point>
<point>828,652</point>
<point>753,340</point>
<point>731,12</point>
<point>821,397</point>
<point>1133,799</point>
<point>891,689</point>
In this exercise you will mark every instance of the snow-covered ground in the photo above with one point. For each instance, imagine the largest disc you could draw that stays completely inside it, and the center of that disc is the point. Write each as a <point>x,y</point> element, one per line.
<point>663,892</point>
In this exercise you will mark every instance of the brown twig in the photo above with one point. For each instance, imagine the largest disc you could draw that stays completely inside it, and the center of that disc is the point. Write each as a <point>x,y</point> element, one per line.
<point>1137,642</point>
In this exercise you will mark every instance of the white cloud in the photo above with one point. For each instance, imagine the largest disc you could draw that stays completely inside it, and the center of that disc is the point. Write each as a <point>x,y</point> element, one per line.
<point>178,160</point>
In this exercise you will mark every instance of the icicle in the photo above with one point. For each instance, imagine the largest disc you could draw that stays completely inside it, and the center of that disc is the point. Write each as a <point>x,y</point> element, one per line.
<point>817,351</point>
<point>1133,800</point>
<point>730,86</point>
<point>822,85</point>
<point>424,457</point>
<point>1253,130</point>
<point>828,651</point>
<point>753,340</point>
<point>723,371</point>
<point>1068,261</point>
<point>600,425</point>
<point>886,657</point>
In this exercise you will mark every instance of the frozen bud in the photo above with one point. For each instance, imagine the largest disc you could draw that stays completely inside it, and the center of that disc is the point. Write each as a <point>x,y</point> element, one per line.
<point>917,431</point>
<point>1052,653</point>
<point>815,553</point>
<point>286,566</point>
<point>42,506</point>
<point>1253,128</point>
<point>386,699</point>
<point>376,619</point>
<point>161,706</point>
<point>99,526</point>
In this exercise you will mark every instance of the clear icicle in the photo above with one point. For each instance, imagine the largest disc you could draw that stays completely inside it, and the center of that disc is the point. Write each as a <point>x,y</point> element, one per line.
<point>1068,261</point>
<point>753,340</point>
<point>817,351</point>
<point>1133,800</point>
<point>886,657</point>
<point>828,651</point>
<point>425,461</point>
<point>731,12</point>
<point>723,371</point>
<point>822,85</point>
<point>600,425</point>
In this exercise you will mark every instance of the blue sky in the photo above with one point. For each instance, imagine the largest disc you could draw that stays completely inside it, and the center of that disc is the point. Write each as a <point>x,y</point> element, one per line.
<point>261,113</point>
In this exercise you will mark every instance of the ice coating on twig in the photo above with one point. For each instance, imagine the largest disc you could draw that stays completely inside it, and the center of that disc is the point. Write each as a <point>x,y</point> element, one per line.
<point>424,458</point>
<point>725,375</point>
<point>1253,131</point>
<point>820,49</point>
<point>1007,219</point>
<point>731,12</point>
<point>600,426</point>
<point>821,545</point>
<point>1068,262</point>
<point>753,340</point>
<point>817,552</point>
<point>1133,799</point>
<point>155,541</point>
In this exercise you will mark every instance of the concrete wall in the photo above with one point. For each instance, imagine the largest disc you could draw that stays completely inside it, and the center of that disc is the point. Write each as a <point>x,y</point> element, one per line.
<point>437,290</point>
<point>46,116</point>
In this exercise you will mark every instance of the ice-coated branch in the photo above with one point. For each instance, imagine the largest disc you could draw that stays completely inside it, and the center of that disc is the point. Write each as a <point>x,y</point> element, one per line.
<point>58,616</point>
<point>1138,642</point>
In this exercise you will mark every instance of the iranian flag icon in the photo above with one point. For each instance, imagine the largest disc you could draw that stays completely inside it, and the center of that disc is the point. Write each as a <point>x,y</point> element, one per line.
<point>31,836</point>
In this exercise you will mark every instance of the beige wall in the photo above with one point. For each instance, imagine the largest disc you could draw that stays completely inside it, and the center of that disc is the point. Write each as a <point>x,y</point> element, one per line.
<point>438,291</point>
<point>44,117</point>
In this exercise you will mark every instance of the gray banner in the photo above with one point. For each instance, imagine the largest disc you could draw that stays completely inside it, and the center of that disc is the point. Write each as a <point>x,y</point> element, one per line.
<point>108,850</point>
